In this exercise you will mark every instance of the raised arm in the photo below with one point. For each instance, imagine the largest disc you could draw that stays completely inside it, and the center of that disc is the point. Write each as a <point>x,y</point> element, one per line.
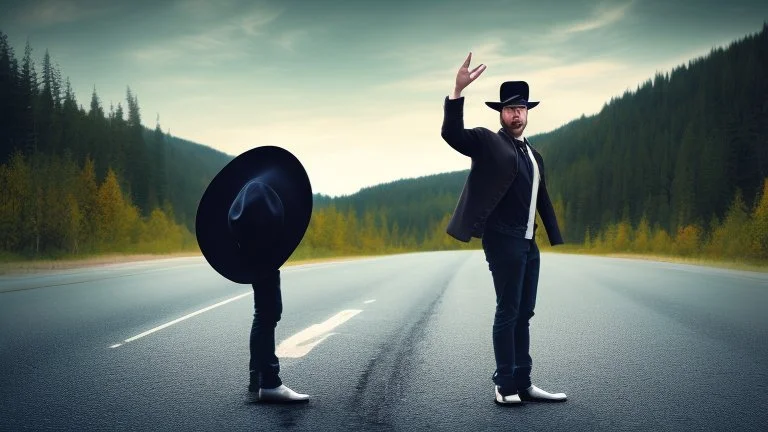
<point>465,141</point>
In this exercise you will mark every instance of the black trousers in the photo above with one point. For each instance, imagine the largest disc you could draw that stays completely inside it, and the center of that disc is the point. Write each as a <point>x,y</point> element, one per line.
<point>514,263</point>
<point>267,307</point>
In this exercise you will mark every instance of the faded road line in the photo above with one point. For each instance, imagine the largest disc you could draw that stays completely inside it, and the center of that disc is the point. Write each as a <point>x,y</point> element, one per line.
<point>178,320</point>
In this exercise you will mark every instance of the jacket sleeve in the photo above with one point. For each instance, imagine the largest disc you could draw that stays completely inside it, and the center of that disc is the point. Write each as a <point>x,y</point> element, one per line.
<point>465,141</point>
<point>547,212</point>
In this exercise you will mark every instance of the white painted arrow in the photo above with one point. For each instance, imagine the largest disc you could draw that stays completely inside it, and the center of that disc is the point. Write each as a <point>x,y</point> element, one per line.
<point>302,342</point>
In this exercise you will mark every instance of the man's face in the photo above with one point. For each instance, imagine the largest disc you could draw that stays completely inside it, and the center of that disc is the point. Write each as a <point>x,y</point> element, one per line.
<point>514,119</point>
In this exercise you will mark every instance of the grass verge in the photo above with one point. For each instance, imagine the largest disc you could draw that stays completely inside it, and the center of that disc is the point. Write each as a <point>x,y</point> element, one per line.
<point>17,266</point>
<point>706,262</point>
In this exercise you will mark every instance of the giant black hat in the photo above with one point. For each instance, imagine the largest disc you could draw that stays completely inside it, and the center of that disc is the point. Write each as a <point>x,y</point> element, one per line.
<point>254,213</point>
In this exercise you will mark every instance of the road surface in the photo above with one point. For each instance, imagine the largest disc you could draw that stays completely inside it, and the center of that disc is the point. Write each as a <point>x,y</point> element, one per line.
<point>393,343</point>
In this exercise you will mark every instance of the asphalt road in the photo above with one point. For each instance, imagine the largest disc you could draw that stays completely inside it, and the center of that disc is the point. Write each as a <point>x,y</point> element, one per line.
<point>636,345</point>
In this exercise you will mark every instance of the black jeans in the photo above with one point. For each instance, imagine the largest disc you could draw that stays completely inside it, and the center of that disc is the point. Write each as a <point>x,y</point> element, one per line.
<point>267,306</point>
<point>514,264</point>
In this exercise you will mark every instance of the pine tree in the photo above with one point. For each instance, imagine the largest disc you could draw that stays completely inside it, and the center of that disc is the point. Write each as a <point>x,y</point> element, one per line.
<point>661,242</point>
<point>159,184</point>
<point>137,166</point>
<point>730,239</point>
<point>623,240</point>
<point>86,193</point>
<point>642,242</point>
<point>9,99</point>
<point>759,226</point>
<point>115,216</point>
<point>28,98</point>
<point>687,241</point>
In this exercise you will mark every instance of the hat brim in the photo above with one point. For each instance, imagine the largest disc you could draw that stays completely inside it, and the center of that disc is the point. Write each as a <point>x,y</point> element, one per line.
<point>286,176</point>
<point>499,105</point>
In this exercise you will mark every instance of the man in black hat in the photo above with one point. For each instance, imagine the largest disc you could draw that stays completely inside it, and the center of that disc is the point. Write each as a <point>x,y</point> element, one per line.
<point>503,191</point>
<point>250,219</point>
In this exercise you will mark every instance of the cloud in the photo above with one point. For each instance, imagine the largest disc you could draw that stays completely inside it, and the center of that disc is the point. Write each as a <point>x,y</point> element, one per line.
<point>206,46</point>
<point>544,69</point>
<point>52,12</point>
<point>602,17</point>
<point>434,64</point>
<point>229,38</point>
<point>288,40</point>
<point>253,23</point>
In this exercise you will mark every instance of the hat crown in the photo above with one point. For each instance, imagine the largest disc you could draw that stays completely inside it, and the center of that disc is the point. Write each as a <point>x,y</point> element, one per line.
<point>513,90</point>
<point>256,217</point>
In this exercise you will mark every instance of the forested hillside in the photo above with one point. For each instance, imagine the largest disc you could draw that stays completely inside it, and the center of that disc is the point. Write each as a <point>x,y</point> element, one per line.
<point>77,181</point>
<point>677,151</point>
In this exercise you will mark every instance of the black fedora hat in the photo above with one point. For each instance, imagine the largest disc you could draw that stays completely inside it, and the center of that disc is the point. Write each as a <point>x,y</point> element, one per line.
<point>254,213</point>
<point>513,93</point>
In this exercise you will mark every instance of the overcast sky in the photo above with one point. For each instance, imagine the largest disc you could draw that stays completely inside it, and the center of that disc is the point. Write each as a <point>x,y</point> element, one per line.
<point>355,88</point>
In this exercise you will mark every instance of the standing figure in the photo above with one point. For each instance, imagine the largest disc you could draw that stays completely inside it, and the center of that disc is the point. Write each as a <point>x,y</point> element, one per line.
<point>504,189</point>
<point>250,219</point>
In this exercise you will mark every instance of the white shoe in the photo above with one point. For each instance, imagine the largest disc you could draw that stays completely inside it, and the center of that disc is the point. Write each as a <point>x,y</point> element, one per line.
<point>535,394</point>
<point>281,394</point>
<point>507,400</point>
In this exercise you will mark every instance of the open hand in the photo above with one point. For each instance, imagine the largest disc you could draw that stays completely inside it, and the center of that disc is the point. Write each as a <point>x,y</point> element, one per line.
<point>464,77</point>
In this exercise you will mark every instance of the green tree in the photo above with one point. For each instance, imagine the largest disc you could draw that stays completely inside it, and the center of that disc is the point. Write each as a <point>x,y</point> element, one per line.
<point>137,168</point>
<point>15,204</point>
<point>759,229</point>
<point>87,195</point>
<point>729,239</point>
<point>116,217</point>
<point>687,241</point>
<point>642,240</point>
<point>623,240</point>
<point>661,242</point>
<point>28,88</point>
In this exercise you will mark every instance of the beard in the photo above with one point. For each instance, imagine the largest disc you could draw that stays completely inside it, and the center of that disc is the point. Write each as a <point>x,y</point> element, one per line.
<point>514,127</point>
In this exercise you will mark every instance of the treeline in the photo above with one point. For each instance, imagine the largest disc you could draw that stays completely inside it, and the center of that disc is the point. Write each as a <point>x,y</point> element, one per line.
<point>678,154</point>
<point>51,207</point>
<point>48,141</point>
<point>335,232</point>
<point>400,216</point>
<point>741,236</point>
<point>40,115</point>
<point>411,208</point>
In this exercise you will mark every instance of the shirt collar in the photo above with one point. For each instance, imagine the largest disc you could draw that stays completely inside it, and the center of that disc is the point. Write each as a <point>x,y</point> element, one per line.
<point>504,131</point>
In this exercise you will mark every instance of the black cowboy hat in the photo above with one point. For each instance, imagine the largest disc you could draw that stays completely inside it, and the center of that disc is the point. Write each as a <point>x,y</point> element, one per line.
<point>254,213</point>
<point>513,93</point>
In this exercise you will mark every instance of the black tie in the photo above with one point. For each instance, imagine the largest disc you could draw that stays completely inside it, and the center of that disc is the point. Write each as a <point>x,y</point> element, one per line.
<point>524,148</point>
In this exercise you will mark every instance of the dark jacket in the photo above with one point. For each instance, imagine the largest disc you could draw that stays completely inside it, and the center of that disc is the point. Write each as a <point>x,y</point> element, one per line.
<point>494,168</point>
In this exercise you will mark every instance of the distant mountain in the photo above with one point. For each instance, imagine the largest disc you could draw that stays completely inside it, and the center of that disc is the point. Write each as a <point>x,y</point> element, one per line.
<point>415,205</point>
<point>191,167</point>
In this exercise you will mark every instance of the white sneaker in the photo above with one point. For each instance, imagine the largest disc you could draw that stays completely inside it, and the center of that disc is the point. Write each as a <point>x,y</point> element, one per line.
<point>507,400</point>
<point>535,394</point>
<point>281,394</point>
